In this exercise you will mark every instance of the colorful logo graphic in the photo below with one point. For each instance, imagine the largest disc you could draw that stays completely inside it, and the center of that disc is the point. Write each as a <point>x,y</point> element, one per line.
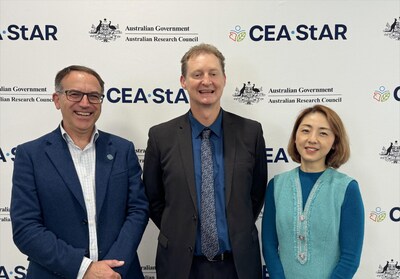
<point>104,31</point>
<point>248,94</point>
<point>238,34</point>
<point>391,153</point>
<point>377,215</point>
<point>381,95</point>
<point>391,270</point>
<point>392,30</point>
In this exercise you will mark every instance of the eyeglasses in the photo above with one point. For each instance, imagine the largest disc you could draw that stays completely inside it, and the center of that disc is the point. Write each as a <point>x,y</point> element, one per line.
<point>77,96</point>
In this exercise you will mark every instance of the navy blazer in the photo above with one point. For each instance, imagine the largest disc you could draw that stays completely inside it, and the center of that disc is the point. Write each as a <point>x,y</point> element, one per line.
<point>48,211</point>
<point>170,186</point>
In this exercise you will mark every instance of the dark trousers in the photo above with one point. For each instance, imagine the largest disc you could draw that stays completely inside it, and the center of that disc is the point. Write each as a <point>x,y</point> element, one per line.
<point>205,269</point>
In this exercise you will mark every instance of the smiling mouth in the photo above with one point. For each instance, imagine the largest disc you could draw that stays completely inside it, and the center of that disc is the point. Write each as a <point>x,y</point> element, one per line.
<point>83,113</point>
<point>311,149</point>
<point>206,91</point>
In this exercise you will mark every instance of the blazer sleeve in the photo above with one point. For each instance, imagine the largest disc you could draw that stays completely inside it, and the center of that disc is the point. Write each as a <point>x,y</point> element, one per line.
<point>259,174</point>
<point>152,177</point>
<point>29,231</point>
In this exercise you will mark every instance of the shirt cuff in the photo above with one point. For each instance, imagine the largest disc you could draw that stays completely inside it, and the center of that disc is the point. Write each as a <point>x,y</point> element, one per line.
<point>84,266</point>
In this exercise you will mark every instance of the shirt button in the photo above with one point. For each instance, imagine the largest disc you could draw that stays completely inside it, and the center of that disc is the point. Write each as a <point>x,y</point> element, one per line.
<point>302,218</point>
<point>301,237</point>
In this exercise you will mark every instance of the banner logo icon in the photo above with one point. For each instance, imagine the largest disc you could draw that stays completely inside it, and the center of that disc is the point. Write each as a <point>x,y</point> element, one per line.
<point>104,31</point>
<point>248,94</point>
<point>392,30</point>
<point>391,153</point>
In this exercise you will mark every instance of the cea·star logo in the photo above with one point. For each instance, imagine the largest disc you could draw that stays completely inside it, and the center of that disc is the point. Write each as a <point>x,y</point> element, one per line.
<point>140,95</point>
<point>301,32</point>
<point>15,32</point>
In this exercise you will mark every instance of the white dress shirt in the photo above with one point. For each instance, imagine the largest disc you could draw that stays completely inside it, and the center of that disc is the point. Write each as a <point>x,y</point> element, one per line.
<point>85,165</point>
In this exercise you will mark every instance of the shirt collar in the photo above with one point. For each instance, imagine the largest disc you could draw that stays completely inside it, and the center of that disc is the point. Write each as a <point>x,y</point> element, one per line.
<point>197,127</point>
<point>68,138</point>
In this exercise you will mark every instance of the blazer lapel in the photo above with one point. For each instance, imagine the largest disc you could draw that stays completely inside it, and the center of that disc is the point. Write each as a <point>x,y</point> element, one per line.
<point>58,153</point>
<point>186,152</point>
<point>105,156</point>
<point>229,153</point>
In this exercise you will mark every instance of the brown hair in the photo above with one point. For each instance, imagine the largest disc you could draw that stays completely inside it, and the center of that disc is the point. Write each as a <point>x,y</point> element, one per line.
<point>201,49</point>
<point>340,152</point>
<point>64,72</point>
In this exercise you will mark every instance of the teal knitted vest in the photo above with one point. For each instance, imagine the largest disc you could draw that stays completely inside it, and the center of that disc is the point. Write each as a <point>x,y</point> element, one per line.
<point>309,238</point>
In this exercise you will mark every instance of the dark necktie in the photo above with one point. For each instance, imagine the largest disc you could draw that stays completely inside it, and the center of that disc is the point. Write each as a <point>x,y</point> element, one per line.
<point>209,234</point>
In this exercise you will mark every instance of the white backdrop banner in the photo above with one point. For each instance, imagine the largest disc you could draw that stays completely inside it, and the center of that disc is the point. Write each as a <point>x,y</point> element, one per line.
<point>284,56</point>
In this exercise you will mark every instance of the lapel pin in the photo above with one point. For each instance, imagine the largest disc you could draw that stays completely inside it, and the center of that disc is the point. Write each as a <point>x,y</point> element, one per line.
<point>110,157</point>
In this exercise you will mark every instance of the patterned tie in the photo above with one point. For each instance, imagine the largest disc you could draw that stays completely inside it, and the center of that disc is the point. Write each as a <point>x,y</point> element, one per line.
<point>209,235</point>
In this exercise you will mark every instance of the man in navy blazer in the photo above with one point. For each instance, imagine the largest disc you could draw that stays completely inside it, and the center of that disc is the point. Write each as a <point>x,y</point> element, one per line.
<point>78,207</point>
<point>173,180</point>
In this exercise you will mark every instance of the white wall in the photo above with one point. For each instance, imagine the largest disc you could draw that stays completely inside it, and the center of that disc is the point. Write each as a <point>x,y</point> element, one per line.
<point>358,63</point>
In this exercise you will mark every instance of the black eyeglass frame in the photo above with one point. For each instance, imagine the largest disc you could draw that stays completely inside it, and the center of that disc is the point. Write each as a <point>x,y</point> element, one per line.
<point>68,94</point>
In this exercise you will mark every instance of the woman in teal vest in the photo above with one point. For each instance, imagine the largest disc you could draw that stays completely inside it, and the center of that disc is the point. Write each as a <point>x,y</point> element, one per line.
<point>313,222</point>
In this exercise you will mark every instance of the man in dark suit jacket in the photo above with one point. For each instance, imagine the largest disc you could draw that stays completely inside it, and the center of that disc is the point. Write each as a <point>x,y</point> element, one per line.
<point>78,207</point>
<point>172,177</point>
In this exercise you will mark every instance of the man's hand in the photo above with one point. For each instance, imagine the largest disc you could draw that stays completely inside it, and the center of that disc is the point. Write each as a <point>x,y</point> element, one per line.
<point>103,270</point>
